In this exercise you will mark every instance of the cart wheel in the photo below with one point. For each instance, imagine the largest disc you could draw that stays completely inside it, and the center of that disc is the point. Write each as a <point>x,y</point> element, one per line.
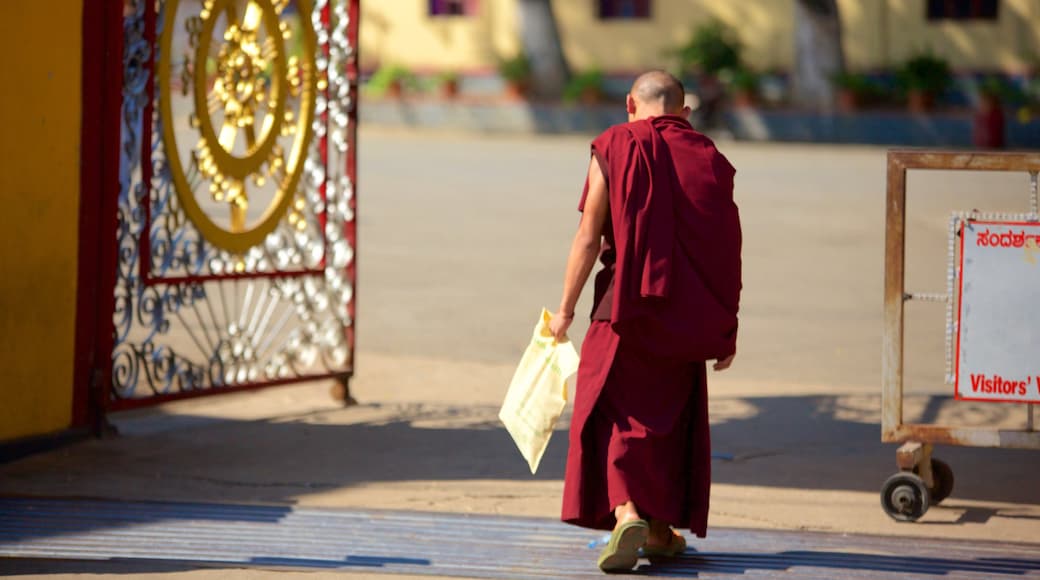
<point>905,497</point>
<point>942,477</point>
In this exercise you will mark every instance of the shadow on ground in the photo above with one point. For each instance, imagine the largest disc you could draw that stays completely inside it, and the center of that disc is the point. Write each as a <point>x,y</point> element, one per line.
<point>692,563</point>
<point>804,442</point>
<point>27,566</point>
<point>810,443</point>
<point>126,566</point>
<point>129,538</point>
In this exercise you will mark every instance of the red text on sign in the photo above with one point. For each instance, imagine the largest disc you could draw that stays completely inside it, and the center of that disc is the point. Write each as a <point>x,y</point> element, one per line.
<point>998,385</point>
<point>1018,239</point>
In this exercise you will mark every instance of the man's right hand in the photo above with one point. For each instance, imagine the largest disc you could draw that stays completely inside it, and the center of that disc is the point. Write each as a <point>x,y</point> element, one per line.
<point>559,324</point>
<point>723,364</point>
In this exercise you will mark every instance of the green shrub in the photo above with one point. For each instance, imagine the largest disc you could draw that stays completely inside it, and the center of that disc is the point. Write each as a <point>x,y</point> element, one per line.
<point>742,79</point>
<point>380,82</point>
<point>448,76</point>
<point>999,88</point>
<point>516,69</point>
<point>591,80</point>
<point>855,82</point>
<point>925,72</point>
<point>713,47</point>
<point>863,87</point>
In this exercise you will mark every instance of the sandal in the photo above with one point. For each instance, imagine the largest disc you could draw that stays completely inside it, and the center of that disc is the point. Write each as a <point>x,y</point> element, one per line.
<point>622,551</point>
<point>676,546</point>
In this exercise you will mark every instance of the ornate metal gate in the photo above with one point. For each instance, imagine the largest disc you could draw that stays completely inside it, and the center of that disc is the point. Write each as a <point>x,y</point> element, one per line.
<point>235,237</point>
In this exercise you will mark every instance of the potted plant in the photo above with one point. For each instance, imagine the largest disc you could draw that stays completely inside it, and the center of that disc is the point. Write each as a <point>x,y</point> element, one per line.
<point>853,91</point>
<point>848,90</point>
<point>988,121</point>
<point>712,48</point>
<point>743,83</point>
<point>993,92</point>
<point>391,81</point>
<point>448,81</point>
<point>516,72</point>
<point>586,88</point>
<point>924,77</point>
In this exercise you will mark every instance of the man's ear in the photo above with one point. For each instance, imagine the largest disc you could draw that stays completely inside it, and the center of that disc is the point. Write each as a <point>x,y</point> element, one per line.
<point>630,105</point>
<point>686,112</point>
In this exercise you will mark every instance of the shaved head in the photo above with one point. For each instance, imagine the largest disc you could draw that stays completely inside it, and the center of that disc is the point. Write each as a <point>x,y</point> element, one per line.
<point>659,89</point>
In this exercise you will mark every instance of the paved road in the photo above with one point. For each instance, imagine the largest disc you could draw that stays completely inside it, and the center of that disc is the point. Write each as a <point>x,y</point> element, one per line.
<point>465,238</point>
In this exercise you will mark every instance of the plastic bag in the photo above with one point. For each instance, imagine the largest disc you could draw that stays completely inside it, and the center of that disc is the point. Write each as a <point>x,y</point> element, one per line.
<point>538,392</point>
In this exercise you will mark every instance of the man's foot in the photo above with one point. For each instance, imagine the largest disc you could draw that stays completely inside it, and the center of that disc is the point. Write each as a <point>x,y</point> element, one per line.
<point>660,534</point>
<point>626,512</point>
<point>622,552</point>
<point>663,541</point>
<point>628,537</point>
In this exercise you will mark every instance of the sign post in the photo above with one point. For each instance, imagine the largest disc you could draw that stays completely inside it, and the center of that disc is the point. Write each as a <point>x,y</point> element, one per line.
<point>997,352</point>
<point>998,342</point>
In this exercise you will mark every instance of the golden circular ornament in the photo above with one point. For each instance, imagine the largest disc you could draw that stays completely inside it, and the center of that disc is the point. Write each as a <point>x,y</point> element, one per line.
<point>247,77</point>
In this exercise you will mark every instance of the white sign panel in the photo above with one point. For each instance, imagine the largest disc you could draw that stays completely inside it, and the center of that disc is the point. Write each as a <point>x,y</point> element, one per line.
<point>998,343</point>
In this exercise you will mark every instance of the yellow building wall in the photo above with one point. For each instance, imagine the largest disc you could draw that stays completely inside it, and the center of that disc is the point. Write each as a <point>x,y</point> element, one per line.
<point>401,32</point>
<point>40,104</point>
<point>1010,43</point>
<point>878,34</point>
<point>763,27</point>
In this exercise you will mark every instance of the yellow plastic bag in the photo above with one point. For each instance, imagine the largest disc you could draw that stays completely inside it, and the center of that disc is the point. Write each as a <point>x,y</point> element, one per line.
<point>538,392</point>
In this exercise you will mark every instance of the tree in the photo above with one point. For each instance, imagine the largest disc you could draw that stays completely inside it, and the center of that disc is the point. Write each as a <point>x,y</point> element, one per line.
<point>819,56</point>
<point>540,39</point>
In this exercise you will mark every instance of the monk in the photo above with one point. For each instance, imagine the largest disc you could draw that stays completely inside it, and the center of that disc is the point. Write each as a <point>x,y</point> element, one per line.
<point>658,211</point>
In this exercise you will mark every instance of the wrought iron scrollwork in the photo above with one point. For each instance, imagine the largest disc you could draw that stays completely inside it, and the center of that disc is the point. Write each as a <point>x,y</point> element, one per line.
<point>192,315</point>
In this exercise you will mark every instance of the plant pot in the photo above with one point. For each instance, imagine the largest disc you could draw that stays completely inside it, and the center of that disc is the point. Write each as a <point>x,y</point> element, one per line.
<point>450,90</point>
<point>395,90</point>
<point>920,101</point>
<point>848,101</point>
<point>744,99</point>
<point>708,84</point>
<point>988,123</point>
<point>591,96</point>
<point>516,90</point>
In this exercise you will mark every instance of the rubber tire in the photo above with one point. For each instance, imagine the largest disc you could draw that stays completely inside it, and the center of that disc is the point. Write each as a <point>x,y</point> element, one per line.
<point>905,497</point>
<point>942,477</point>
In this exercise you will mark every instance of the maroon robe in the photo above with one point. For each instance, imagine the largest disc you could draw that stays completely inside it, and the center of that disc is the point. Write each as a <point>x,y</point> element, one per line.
<point>666,301</point>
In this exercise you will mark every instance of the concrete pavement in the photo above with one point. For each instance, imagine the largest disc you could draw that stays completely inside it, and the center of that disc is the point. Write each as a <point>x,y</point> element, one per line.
<point>463,239</point>
<point>370,542</point>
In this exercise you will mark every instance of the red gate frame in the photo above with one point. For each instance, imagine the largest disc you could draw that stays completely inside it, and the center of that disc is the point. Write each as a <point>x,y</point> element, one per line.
<point>99,190</point>
<point>102,85</point>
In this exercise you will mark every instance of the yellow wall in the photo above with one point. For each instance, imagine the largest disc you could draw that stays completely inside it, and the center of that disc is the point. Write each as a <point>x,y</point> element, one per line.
<point>631,45</point>
<point>1008,44</point>
<point>878,34</point>
<point>400,32</point>
<point>40,53</point>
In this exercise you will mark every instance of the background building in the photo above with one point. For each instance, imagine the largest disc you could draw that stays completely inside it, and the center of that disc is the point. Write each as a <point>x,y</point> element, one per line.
<point>624,36</point>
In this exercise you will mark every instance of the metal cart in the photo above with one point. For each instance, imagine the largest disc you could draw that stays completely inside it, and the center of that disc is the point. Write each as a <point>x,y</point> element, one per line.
<point>922,480</point>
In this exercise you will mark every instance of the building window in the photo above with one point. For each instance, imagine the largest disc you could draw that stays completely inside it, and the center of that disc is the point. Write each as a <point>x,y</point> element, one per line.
<point>962,9</point>
<point>624,9</point>
<point>453,7</point>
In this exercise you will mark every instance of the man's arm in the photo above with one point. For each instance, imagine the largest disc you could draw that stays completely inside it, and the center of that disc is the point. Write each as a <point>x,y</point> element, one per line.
<point>584,250</point>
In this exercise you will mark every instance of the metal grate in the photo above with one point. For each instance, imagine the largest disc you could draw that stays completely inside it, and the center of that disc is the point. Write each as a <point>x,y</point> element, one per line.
<point>458,545</point>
